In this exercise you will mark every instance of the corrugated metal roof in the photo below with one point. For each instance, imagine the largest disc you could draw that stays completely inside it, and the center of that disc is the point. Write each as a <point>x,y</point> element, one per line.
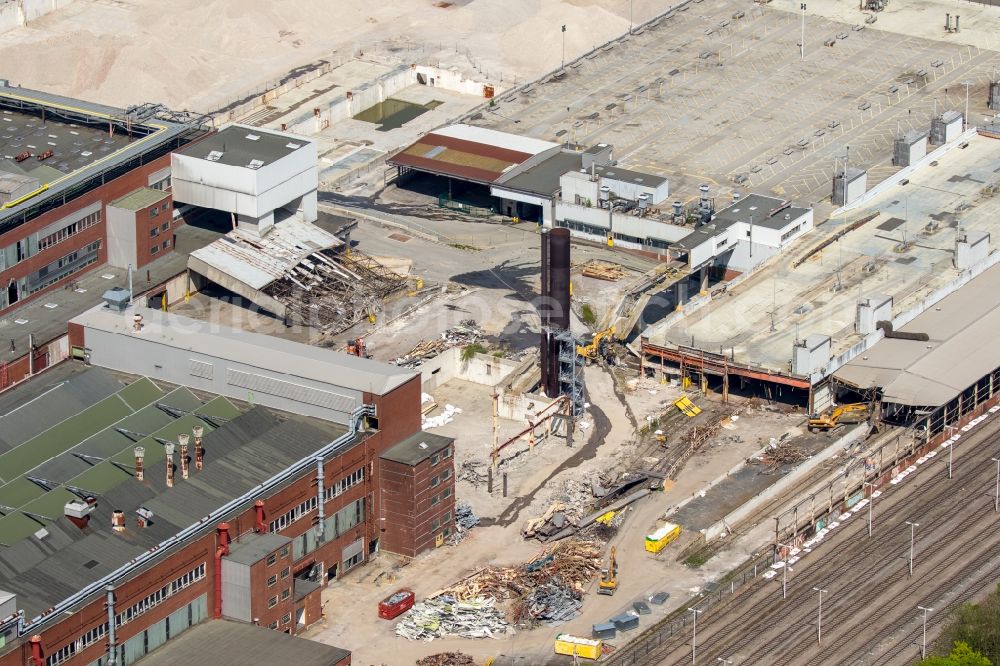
<point>291,358</point>
<point>67,398</point>
<point>963,327</point>
<point>257,262</point>
<point>246,451</point>
<point>471,153</point>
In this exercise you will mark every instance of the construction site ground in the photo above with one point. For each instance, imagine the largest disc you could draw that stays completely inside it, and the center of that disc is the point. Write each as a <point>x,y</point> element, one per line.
<point>553,472</point>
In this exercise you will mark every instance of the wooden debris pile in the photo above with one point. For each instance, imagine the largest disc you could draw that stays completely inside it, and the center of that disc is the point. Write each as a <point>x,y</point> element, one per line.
<point>547,588</point>
<point>466,333</point>
<point>779,453</point>
<point>447,659</point>
<point>602,270</point>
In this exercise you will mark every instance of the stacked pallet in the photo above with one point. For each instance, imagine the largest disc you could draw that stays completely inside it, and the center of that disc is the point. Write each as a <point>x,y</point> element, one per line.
<point>601,270</point>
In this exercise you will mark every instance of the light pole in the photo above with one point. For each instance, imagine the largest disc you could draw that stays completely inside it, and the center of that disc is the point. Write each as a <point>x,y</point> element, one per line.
<point>923,644</point>
<point>871,500</point>
<point>784,570</point>
<point>802,46</point>
<point>694,635</point>
<point>630,17</point>
<point>965,123</point>
<point>996,499</point>
<point>913,527</point>
<point>819,618</point>
<point>564,45</point>
<point>951,446</point>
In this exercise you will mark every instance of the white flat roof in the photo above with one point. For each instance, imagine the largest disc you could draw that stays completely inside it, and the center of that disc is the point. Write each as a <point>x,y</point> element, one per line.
<point>964,331</point>
<point>523,144</point>
<point>254,349</point>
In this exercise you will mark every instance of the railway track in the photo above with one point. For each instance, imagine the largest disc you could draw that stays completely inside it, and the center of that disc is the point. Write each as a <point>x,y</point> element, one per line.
<point>870,611</point>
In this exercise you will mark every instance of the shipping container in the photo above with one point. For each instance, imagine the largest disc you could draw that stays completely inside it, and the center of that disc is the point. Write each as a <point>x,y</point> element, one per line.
<point>659,539</point>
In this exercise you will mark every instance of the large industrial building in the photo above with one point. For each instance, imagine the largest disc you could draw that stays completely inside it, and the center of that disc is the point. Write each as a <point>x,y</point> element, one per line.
<point>81,184</point>
<point>189,471</point>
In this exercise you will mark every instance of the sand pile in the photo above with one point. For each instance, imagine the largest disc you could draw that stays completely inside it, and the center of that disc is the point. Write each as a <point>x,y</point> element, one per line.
<point>203,54</point>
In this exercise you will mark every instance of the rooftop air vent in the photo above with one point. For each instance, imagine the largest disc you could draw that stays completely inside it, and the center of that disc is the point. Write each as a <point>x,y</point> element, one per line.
<point>214,156</point>
<point>293,146</point>
<point>253,137</point>
<point>255,164</point>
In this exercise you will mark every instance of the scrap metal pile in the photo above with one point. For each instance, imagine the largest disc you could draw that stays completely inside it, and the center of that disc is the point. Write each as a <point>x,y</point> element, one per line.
<point>333,291</point>
<point>465,520</point>
<point>444,615</point>
<point>466,333</point>
<point>447,659</point>
<point>547,589</point>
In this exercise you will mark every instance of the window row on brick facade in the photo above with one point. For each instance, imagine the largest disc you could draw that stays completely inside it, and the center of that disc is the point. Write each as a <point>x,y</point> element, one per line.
<point>438,457</point>
<point>132,612</point>
<point>331,491</point>
<point>443,476</point>
<point>69,230</point>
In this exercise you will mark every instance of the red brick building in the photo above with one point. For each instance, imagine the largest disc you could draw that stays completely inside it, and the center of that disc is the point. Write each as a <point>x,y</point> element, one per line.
<point>62,162</point>
<point>175,505</point>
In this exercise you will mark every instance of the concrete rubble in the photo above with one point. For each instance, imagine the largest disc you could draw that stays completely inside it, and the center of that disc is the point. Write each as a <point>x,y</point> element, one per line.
<point>444,615</point>
<point>474,472</point>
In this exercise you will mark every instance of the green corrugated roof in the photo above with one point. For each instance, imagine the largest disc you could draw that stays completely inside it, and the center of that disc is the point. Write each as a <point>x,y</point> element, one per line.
<point>62,437</point>
<point>15,527</point>
<point>93,432</point>
<point>51,503</point>
<point>220,407</point>
<point>19,491</point>
<point>139,199</point>
<point>140,393</point>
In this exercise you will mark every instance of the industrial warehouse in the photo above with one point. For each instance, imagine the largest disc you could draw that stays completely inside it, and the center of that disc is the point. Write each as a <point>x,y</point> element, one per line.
<point>611,334</point>
<point>232,484</point>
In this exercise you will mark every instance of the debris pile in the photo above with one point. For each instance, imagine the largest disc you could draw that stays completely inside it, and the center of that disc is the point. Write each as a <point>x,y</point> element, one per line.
<point>601,270</point>
<point>473,471</point>
<point>444,418</point>
<point>447,659</point>
<point>465,520</point>
<point>466,333</point>
<point>779,453</point>
<point>474,617</point>
<point>547,589</point>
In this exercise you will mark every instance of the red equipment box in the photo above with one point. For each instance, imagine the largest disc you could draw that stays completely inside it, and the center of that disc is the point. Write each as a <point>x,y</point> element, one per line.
<point>395,604</point>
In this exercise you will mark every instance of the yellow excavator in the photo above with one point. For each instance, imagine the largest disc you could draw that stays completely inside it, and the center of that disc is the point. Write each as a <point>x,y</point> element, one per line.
<point>596,347</point>
<point>609,576</point>
<point>853,413</point>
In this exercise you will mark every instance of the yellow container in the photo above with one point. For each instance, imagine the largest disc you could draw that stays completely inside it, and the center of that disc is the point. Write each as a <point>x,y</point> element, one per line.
<point>659,539</point>
<point>580,647</point>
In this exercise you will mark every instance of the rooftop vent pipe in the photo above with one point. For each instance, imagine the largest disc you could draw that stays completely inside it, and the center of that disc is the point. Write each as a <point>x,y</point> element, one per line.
<point>137,323</point>
<point>140,453</point>
<point>169,450</point>
<point>79,511</point>
<point>261,526</point>
<point>182,441</point>
<point>118,520</point>
<point>886,327</point>
<point>37,656</point>
<point>221,551</point>
<point>199,450</point>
